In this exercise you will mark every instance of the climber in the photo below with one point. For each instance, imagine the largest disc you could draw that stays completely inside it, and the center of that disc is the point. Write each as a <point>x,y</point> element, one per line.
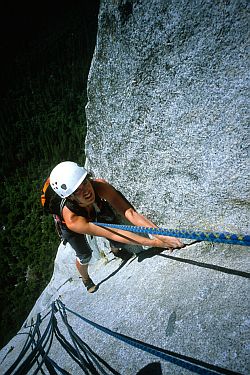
<point>86,200</point>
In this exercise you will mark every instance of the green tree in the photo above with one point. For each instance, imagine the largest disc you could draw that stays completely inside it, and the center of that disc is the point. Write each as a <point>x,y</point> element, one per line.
<point>42,123</point>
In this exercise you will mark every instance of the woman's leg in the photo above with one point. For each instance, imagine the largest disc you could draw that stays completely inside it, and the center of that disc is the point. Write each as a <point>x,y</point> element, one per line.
<point>83,270</point>
<point>119,250</point>
<point>83,255</point>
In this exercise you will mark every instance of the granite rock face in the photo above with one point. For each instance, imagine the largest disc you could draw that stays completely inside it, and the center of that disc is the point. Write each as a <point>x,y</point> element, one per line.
<point>167,112</point>
<point>167,126</point>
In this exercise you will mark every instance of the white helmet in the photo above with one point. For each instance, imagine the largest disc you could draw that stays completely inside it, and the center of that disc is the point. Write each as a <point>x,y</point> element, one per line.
<point>66,177</point>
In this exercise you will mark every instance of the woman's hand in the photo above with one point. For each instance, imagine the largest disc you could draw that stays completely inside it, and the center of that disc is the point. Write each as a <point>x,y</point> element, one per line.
<point>168,242</point>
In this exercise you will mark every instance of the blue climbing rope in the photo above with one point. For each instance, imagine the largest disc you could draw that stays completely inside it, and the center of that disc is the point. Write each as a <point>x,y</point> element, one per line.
<point>36,350</point>
<point>191,364</point>
<point>228,238</point>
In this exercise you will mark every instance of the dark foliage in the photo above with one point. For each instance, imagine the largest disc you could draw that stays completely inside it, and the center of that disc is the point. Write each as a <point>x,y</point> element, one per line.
<point>42,123</point>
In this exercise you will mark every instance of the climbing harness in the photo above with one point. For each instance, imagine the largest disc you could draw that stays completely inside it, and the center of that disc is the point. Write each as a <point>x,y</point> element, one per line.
<point>228,238</point>
<point>37,346</point>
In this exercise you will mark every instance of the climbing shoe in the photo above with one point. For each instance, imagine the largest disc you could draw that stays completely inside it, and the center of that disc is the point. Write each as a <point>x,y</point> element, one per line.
<point>90,285</point>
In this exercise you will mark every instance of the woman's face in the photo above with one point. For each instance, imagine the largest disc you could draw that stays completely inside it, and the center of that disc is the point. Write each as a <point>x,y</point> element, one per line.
<point>84,194</point>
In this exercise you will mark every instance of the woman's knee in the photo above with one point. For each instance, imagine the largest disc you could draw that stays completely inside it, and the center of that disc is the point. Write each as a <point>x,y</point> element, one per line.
<point>83,259</point>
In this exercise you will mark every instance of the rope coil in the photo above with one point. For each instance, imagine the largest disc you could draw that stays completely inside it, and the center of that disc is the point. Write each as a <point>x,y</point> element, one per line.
<point>191,364</point>
<point>37,347</point>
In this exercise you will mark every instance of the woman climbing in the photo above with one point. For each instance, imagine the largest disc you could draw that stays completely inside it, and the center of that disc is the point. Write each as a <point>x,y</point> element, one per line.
<point>85,200</point>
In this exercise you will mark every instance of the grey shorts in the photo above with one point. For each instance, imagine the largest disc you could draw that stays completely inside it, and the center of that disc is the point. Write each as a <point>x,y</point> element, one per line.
<point>80,244</point>
<point>82,249</point>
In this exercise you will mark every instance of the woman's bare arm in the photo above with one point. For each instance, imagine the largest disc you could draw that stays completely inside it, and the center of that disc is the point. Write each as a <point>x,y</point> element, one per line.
<point>122,206</point>
<point>80,225</point>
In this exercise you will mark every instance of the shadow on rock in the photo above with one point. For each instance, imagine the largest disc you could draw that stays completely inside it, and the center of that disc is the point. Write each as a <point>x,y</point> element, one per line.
<point>151,368</point>
<point>115,272</point>
<point>157,251</point>
<point>149,253</point>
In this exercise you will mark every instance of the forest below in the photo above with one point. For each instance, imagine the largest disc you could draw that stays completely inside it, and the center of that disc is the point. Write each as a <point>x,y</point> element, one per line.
<point>42,123</point>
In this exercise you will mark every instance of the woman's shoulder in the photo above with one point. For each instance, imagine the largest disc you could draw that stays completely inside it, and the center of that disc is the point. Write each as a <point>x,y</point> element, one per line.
<point>99,181</point>
<point>74,209</point>
<point>104,189</point>
<point>100,185</point>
